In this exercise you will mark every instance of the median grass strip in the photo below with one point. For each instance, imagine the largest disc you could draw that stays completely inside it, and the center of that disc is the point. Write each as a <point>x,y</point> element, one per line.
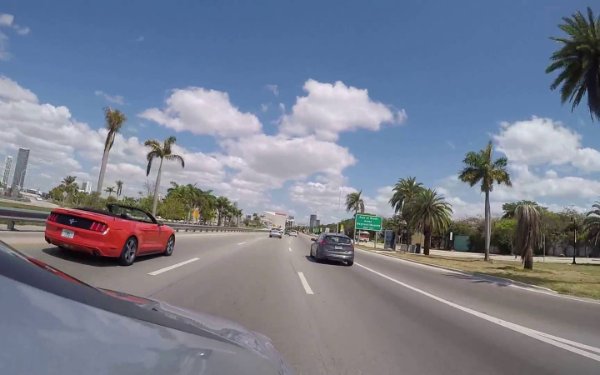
<point>582,280</point>
<point>5,204</point>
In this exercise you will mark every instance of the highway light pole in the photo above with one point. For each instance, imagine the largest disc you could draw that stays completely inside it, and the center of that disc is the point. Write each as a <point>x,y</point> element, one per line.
<point>574,239</point>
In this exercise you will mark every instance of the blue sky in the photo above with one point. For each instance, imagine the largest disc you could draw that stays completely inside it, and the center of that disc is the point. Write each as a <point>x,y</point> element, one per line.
<point>457,69</point>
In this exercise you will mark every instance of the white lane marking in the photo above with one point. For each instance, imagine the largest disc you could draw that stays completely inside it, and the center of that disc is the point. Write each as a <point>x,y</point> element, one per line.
<point>241,243</point>
<point>559,342</point>
<point>307,288</point>
<point>540,290</point>
<point>158,272</point>
<point>290,249</point>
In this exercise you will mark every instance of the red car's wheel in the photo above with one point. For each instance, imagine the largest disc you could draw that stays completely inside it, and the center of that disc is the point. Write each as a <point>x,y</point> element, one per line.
<point>170,246</point>
<point>129,252</point>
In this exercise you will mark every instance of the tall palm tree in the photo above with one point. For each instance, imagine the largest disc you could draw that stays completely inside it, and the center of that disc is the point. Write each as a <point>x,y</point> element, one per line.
<point>404,191</point>
<point>110,190</point>
<point>69,186</point>
<point>222,205</point>
<point>479,166</point>
<point>161,152</point>
<point>429,212</point>
<point>119,184</point>
<point>114,121</point>
<point>592,223</point>
<point>355,203</point>
<point>528,232</point>
<point>579,61</point>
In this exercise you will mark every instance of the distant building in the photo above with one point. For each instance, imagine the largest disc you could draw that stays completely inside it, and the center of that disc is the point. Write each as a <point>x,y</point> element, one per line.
<point>20,170</point>
<point>7,169</point>
<point>275,219</point>
<point>86,187</point>
<point>312,223</point>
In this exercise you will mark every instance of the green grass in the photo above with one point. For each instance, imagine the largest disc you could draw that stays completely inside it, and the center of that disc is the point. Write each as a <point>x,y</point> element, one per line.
<point>582,280</point>
<point>5,204</point>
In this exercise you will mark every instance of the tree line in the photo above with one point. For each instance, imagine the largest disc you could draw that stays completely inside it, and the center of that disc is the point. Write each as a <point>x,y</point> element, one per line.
<point>182,202</point>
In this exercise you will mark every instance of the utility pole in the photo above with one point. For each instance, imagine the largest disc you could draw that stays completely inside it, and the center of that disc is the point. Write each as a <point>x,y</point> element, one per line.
<point>574,240</point>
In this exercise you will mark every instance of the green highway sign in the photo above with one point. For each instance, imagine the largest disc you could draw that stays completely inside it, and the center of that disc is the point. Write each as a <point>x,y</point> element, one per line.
<point>368,222</point>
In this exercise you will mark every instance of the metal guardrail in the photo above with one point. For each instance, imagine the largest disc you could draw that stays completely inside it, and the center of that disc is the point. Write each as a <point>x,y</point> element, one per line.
<point>15,215</point>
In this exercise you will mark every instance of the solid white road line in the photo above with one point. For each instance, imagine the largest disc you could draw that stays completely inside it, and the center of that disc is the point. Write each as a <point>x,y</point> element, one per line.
<point>158,272</point>
<point>307,288</point>
<point>290,249</point>
<point>559,342</point>
<point>241,243</point>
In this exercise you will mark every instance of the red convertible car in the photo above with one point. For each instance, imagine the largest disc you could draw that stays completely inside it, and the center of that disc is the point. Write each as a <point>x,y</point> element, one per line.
<point>119,232</point>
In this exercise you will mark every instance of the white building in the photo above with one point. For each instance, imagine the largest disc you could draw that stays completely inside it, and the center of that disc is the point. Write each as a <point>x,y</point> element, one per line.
<point>86,187</point>
<point>275,219</point>
<point>7,170</point>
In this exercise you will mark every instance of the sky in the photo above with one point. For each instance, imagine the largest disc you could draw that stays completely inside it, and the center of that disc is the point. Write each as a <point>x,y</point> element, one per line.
<point>289,106</point>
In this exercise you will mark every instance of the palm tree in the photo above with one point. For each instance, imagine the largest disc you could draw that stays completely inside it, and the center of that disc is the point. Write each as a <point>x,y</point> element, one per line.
<point>404,191</point>
<point>69,186</point>
<point>592,223</point>
<point>110,190</point>
<point>222,205</point>
<point>161,152</point>
<point>429,212</point>
<point>355,203</point>
<point>480,167</point>
<point>114,121</point>
<point>119,184</point>
<point>579,61</point>
<point>528,232</point>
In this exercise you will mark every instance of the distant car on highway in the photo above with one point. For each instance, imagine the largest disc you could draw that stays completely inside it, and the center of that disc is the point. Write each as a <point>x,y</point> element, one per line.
<point>121,232</point>
<point>293,233</point>
<point>74,328</point>
<point>275,233</point>
<point>333,246</point>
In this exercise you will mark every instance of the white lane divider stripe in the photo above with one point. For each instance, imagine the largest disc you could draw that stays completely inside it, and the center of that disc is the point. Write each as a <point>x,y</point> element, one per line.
<point>307,288</point>
<point>241,243</point>
<point>290,249</point>
<point>158,272</point>
<point>571,346</point>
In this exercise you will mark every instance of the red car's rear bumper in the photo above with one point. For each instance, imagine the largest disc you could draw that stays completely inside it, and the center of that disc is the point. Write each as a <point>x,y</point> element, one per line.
<point>105,244</point>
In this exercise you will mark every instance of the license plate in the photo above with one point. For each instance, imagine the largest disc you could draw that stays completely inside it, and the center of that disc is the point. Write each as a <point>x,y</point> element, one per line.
<point>67,233</point>
<point>339,247</point>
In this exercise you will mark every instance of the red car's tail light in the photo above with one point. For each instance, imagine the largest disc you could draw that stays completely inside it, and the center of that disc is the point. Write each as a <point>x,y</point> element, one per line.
<point>53,217</point>
<point>98,227</point>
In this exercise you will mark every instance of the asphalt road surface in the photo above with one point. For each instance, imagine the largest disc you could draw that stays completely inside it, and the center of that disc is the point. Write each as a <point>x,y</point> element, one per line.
<point>380,316</point>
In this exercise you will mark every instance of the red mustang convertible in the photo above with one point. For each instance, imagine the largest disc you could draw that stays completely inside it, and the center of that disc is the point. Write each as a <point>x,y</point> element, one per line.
<point>119,232</point>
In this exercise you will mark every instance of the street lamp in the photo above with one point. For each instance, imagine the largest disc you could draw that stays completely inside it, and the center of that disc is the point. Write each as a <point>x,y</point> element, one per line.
<point>574,239</point>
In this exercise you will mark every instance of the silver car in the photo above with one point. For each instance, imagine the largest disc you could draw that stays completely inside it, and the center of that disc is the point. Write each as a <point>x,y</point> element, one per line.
<point>275,233</point>
<point>333,246</point>
<point>60,325</point>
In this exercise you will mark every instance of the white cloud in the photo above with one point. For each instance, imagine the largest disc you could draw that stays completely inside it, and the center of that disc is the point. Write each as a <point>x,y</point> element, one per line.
<point>6,20</point>
<point>273,88</point>
<point>275,159</point>
<point>22,30</point>
<point>114,99</point>
<point>204,112</point>
<point>139,39</point>
<point>541,141</point>
<point>264,107</point>
<point>11,91</point>
<point>329,109</point>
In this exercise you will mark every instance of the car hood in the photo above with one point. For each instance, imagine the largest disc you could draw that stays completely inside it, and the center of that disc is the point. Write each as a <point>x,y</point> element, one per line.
<point>224,328</point>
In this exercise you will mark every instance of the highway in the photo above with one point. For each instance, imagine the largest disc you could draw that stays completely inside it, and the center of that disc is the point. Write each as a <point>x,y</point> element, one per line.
<point>380,316</point>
